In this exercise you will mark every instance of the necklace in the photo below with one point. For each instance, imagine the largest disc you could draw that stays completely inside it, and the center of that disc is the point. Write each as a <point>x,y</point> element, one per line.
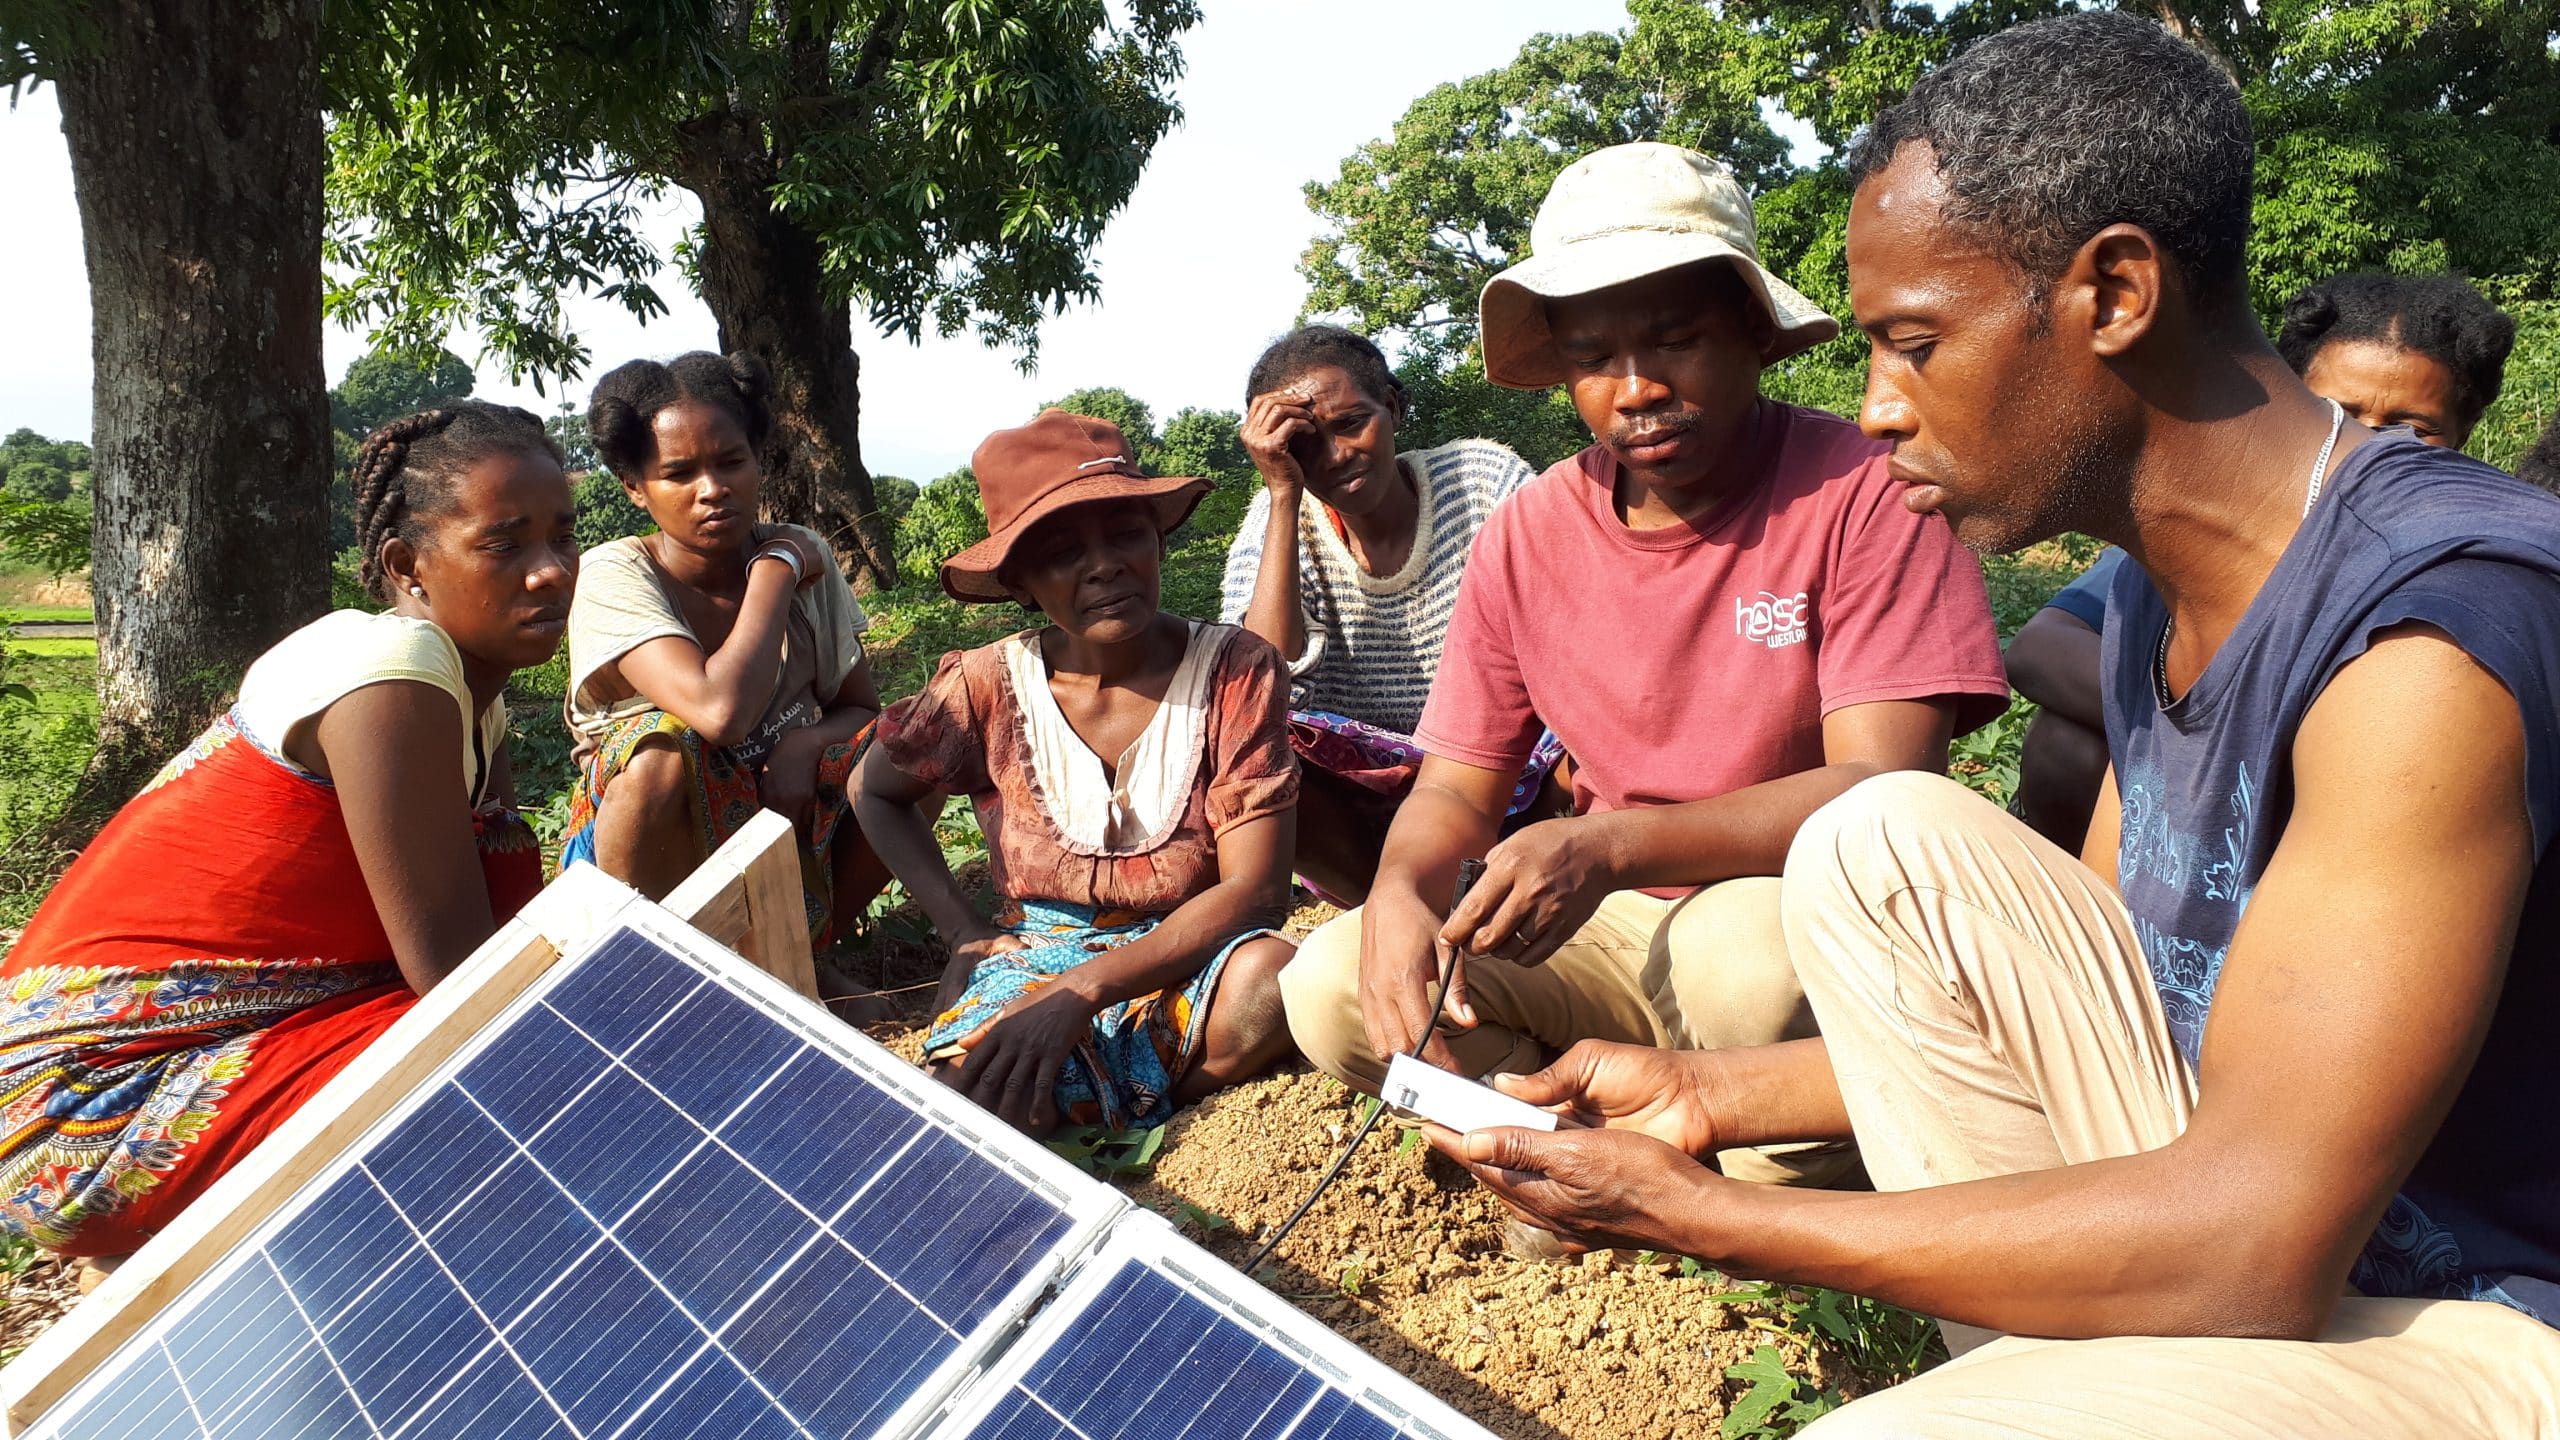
<point>2310,497</point>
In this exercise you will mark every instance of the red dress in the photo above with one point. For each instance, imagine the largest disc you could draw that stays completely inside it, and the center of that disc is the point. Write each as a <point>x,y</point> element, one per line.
<point>206,965</point>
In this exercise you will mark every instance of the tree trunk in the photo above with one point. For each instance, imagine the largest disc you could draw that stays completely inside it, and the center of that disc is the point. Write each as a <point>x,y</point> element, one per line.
<point>763,278</point>
<point>194,128</point>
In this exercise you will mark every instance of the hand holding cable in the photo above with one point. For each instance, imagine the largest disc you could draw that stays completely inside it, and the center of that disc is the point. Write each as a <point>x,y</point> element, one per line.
<point>1469,871</point>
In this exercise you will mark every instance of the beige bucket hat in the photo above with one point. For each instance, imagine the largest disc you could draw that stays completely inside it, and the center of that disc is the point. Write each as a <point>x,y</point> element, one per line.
<point>1622,214</point>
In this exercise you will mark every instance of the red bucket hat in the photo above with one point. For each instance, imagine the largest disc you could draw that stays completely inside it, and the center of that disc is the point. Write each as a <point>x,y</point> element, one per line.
<point>1058,460</point>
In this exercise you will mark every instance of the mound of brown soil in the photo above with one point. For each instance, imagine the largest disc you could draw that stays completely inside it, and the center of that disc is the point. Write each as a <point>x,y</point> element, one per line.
<point>1404,1255</point>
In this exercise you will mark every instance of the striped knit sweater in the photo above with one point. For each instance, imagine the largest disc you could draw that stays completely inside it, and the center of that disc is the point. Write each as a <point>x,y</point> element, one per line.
<point>1373,641</point>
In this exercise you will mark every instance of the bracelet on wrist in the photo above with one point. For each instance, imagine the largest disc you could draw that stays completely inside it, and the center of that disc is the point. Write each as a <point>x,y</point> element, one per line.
<point>782,553</point>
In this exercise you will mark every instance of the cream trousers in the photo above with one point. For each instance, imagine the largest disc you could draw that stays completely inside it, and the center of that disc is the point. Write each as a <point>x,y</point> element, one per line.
<point>1988,1012</point>
<point>1699,973</point>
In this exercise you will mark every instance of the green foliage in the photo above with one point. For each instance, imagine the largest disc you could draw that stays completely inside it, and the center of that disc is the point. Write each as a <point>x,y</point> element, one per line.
<point>2532,393</point>
<point>40,480</point>
<point>1110,1154</point>
<point>953,163</point>
<point>386,383</point>
<point>1882,1343</point>
<point>346,582</point>
<point>896,496</point>
<point>1109,402</point>
<point>1776,1401</point>
<point>382,385</point>
<point>48,731</point>
<point>1420,219</point>
<point>568,430</point>
<point>1987,759</point>
<point>945,519</point>
<point>1195,570</point>
<point>25,445</point>
<point>1206,1221</point>
<point>37,36</point>
<point>1205,443</point>
<point>539,745</point>
<point>605,510</point>
<point>1451,400</point>
<point>1201,442</point>
<point>53,537</point>
<point>2409,135</point>
<point>44,501</point>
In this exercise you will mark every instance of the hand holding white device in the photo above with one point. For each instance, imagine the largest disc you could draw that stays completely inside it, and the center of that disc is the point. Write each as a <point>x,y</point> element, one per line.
<point>1444,1098</point>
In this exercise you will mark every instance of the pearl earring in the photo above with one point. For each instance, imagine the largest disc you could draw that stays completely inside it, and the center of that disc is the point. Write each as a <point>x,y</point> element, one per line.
<point>418,590</point>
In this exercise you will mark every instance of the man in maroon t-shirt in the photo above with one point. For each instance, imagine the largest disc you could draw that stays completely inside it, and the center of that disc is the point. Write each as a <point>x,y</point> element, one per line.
<point>1724,611</point>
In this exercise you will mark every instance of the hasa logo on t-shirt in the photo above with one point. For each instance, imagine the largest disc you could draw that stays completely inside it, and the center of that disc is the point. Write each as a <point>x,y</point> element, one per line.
<point>1776,621</point>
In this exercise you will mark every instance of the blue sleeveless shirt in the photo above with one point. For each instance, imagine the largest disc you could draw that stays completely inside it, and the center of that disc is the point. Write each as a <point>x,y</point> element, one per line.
<point>2404,532</point>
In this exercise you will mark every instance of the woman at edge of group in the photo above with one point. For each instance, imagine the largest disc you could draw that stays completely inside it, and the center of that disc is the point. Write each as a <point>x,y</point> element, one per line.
<point>2425,351</point>
<point>286,888</point>
<point>716,666</point>
<point>1130,966</point>
<point>1356,589</point>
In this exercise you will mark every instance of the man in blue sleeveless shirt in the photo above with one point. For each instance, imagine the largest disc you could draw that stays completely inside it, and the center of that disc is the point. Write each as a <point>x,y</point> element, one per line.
<point>2248,1111</point>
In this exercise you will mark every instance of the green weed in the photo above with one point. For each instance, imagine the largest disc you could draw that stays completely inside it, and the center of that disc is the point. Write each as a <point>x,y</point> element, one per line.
<point>1110,1154</point>
<point>54,648</point>
<point>1200,1218</point>
<point>1779,1402</point>
<point>1882,1343</point>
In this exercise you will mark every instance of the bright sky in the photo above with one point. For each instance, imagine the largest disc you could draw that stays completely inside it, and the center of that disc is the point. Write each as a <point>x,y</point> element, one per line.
<point>1198,272</point>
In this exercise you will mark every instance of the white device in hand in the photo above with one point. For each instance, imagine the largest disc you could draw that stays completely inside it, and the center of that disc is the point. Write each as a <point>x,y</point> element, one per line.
<point>1443,1098</point>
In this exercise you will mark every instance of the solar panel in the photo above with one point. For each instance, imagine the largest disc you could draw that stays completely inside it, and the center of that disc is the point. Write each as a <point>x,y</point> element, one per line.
<point>1157,1337</point>
<point>656,1197</point>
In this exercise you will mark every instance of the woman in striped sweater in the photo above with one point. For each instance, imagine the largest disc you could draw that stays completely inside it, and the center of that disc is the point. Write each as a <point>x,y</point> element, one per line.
<point>1348,563</point>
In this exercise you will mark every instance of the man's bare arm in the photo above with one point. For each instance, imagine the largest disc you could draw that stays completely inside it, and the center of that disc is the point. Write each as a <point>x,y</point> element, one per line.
<point>2354,999</point>
<point>1453,813</point>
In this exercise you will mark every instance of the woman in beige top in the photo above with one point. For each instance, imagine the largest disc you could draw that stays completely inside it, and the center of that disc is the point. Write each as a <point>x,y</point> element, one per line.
<point>716,666</point>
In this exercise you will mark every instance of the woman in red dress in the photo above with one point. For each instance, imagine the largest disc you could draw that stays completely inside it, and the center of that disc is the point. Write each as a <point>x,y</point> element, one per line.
<point>286,888</point>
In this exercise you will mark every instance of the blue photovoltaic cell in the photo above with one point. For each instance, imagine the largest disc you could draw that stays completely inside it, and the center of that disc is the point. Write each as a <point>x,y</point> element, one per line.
<point>1150,1360</point>
<point>647,1210</point>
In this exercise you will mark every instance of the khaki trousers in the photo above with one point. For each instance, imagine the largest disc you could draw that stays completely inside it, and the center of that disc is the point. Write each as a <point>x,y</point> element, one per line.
<point>1988,1012</point>
<point>1699,973</point>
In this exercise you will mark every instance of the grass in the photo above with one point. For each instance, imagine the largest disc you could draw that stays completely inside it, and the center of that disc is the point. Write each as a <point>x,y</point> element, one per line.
<point>54,648</point>
<point>75,614</point>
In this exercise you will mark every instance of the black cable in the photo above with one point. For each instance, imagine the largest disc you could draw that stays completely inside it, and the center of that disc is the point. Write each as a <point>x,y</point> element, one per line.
<point>1469,871</point>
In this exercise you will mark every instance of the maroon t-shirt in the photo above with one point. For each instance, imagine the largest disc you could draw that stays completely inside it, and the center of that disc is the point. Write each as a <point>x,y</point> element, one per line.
<point>1691,661</point>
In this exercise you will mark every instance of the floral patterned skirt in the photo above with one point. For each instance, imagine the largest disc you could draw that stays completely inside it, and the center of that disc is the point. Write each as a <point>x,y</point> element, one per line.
<point>725,797</point>
<point>207,964</point>
<point>1123,1075</point>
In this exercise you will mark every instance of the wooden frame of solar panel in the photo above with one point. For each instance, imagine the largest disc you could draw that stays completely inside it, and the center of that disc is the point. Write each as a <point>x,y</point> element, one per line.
<point>328,1279</point>
<point>1204,1350</point>
<point>746,895</point>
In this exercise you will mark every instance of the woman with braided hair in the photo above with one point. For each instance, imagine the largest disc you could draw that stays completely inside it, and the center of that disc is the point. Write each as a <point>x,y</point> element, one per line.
<point>716,666</point>
<point>328,850</point>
